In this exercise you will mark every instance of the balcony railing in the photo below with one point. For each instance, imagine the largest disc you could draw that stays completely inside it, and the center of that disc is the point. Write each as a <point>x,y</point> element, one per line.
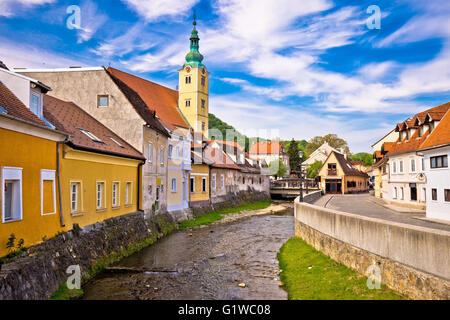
<point>332,172</point>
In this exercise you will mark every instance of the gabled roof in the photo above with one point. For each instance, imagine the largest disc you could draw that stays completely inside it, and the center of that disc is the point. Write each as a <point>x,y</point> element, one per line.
<point>267,147</point>
<point>15,108</point>
<point>68,117</point>
<point>346,166</point>
<point>440,136</point>
<point>220,159</point>
<point>148,115</point>
<point>162,100</point>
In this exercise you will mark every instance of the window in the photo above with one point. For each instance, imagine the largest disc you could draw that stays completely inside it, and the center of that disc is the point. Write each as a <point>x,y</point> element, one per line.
<point>447,195</point>
<point>116,142</point>
<point>401,193</point>
<point>394,167</point>
<point>35,104</point>
<point>424,194</point>
<point>170,151</point>
<point>11,194</point>
<point>75,203</point>
<point>91,135</point>
<point>177,152</point>
<point>395,193</point>
<point>48,192</point>
<point>431,126</point>
<point>222,181</point>
<point>412,165</point>
<point>188,103</point>
<point>158,190</point>
<point>439,162</point>
<point>203,126</point>
<point>203,81</point>
<point>213,183</point>
<point>103,101</point>
<point>128,193</point>
<point>192,185</point>
<point>423,164</point>
<point>400,166</point>
<point>174,185</point>
<point>150,152</point>
<point>434,194</point>
<point>421,131</point>
<point>203,184</point>
<point>100,195</point>
<point>115,194</point>
<point>203,104</point>
<point>162,156</point>
<point>188,79</point>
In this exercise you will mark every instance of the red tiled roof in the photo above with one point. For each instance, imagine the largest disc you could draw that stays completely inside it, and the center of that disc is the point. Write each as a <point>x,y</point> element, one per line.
<point>265,148</point>
<point>220,159</point>
<point>15,108</point>
<point>440,136</point>
<point>161,99</point>
<point>68,117</point>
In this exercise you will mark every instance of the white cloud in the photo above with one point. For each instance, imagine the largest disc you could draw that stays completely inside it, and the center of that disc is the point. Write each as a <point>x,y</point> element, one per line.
<point>153,10</point>
<point>9,8</point>
<point>91,20</point>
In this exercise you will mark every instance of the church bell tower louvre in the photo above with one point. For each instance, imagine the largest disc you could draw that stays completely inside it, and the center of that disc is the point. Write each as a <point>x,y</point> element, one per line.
<point>193,94</point>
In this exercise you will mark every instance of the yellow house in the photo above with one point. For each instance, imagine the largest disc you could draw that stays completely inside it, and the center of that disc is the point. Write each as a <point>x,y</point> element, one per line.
<point>339,176</point>
<point>29,154</point>
<point>199,194</point>
<point>101,173</point>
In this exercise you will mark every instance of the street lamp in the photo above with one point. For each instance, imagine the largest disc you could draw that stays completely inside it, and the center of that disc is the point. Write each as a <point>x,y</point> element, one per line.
<point>300,155</point>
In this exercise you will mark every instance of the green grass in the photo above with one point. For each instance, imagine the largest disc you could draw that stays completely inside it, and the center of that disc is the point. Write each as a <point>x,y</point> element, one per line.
<point>219,214</point>
<point>326,280</point>
<point>64,293</point>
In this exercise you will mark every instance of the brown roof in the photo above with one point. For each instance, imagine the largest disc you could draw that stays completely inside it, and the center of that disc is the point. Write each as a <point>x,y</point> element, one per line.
<point>15,108</point>
<point>158,98</point>
<point>265,148</point>
<point>346,165</point>
<point>139,105</point>
<point>68,117</point>
<point>440,136</point>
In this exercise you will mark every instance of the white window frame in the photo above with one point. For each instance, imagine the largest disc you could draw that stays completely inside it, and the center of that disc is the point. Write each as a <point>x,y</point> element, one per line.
<point>39,96</point>
<point>128,193</point>
<point>48,175</point>
<point>213,182</point>
<point>173,188</point>
<point>170,151</point>
<point>401,167</point>
<point>411,162</point>
<point>150,152</point>
<point>204,184</point>
<point>102,195</point>
<point>402,193</point>
<point>77,195</point>
<point>395,193</point>
<point>12,173</point>
<point>394,167</point>
<point>192,185</point>
<point>115,202</point>
<point>222,181</point>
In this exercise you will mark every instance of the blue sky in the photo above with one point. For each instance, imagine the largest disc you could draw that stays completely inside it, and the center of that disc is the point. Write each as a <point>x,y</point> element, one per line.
<point>278,67</point>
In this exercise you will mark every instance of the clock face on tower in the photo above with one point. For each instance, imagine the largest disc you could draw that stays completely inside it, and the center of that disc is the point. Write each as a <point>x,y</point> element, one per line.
<point>188,69</point>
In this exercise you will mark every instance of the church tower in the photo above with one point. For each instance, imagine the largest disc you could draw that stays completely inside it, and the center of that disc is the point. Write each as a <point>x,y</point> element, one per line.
<point>193,97</point>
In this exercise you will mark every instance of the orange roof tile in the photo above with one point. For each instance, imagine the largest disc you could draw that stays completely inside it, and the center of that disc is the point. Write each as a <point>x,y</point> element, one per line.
<point>440,136</point>
<point>161,99</point>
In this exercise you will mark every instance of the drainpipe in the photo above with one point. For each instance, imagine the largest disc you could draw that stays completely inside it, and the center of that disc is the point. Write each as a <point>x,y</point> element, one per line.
<point>139,186</point>
<point>58,169</point>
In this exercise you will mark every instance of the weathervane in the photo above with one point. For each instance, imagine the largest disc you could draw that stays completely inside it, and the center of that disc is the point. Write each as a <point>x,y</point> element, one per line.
<point>195,22</point>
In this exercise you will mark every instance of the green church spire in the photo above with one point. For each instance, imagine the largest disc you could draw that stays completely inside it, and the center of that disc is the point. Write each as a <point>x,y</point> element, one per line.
<point>194,58</point>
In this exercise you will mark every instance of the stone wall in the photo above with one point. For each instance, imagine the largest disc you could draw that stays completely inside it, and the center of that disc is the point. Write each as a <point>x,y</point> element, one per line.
<point>412,260</point>
<point>312,196</point>
<point>42,269</point>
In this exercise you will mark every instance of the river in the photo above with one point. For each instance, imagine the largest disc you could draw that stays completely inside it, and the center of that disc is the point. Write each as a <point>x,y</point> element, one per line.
<point>203,263</point>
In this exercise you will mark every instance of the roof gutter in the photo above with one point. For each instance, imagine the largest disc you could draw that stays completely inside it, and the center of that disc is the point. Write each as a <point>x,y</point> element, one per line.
<point>72,145</point>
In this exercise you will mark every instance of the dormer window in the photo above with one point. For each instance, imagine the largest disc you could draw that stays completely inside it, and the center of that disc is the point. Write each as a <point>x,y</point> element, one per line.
<point>36,104</point>
<point>420,131</point>
<point>431,126</point>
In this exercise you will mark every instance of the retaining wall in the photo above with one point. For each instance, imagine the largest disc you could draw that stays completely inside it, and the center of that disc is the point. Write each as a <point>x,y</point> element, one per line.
<point>413,260</point>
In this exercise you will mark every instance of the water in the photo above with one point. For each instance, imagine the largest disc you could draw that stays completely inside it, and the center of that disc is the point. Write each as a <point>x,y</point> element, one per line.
<point>206,263</point>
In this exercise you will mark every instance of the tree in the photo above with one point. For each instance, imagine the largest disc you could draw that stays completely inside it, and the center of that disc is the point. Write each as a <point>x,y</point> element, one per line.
<point>292,151</point>
<point>313,170</point>
<point>332,139</point>
<point>365,157</point>
<point>277,169</point>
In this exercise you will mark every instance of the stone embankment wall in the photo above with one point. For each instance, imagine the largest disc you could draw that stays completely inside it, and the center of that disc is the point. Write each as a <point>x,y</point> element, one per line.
<point>42,269</point>
<point>312,196</point>
<point>412,260</point>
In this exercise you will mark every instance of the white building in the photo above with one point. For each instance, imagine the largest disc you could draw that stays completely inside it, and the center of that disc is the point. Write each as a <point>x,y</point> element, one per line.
<point>320,154</point>
<point>436,153</point>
